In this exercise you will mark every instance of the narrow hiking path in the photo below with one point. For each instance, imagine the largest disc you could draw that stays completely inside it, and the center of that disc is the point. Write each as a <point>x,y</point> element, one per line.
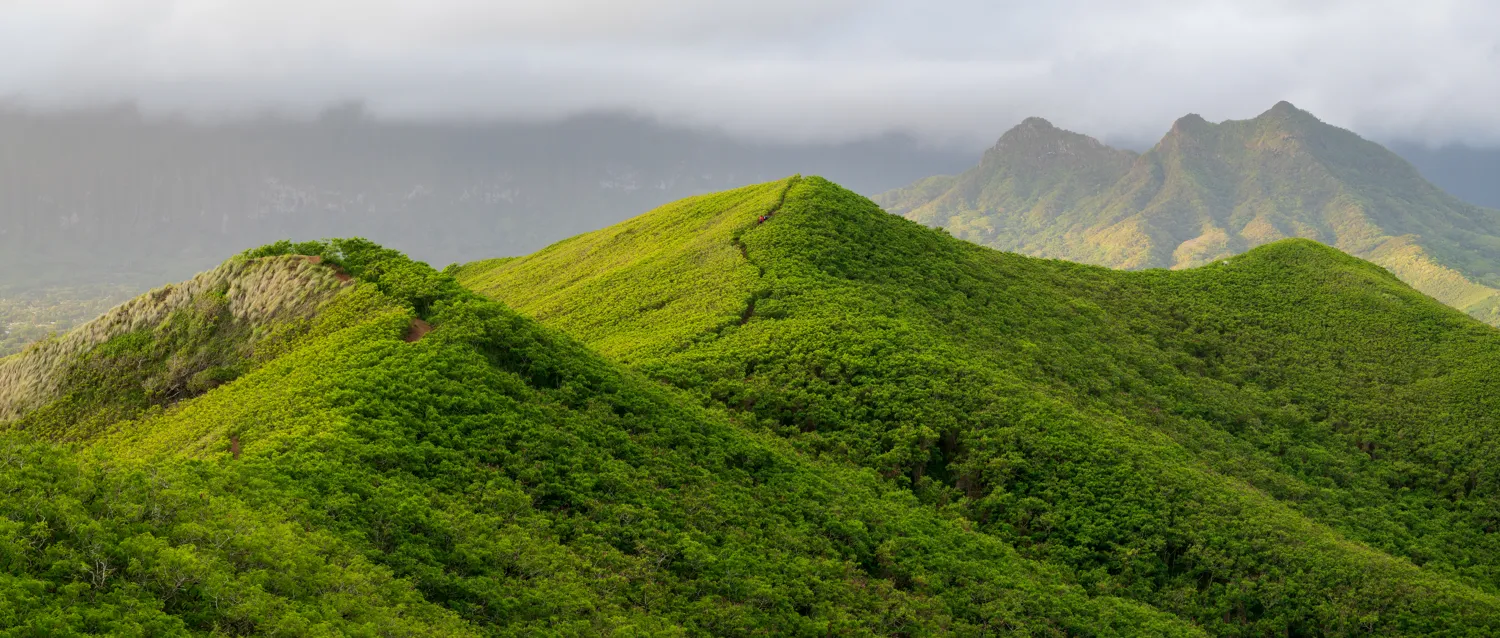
<point>749,311</point>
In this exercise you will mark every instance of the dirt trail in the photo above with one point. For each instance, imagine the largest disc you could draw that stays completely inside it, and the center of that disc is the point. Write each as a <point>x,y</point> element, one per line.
<point>338,273</point>
<point>414,332</point>
<point>417,330</point>
<point>749,311</point>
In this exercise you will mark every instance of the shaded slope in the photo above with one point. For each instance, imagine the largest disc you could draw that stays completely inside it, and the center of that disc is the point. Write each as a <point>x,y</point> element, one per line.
<point>1207,191</point>
<point>494,477</point>
<point>1291,441</point>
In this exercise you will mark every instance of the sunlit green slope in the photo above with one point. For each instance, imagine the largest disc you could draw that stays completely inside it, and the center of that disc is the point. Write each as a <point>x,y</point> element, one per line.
<point>360,474</point>
<point>1288,442</point>
<point>1207,191</point>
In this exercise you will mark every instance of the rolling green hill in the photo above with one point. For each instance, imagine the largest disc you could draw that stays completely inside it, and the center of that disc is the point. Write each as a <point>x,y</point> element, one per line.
<point>1208,191</point>
<point>775,410</point>
<point>356,445</point>
<point>1290,441</point>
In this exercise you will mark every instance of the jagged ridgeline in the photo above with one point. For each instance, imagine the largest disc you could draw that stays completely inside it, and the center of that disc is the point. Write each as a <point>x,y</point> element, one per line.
<point>1208,191</point>
<point>1287,442</point>
<point>393,455</point>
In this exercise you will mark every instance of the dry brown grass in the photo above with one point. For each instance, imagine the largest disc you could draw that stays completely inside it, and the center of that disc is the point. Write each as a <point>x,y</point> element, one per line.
<point>260,293</point>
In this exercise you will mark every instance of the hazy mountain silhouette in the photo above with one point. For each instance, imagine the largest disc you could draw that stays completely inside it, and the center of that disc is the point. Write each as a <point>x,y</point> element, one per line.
<point>106,195</point>
<point>1469,173</point>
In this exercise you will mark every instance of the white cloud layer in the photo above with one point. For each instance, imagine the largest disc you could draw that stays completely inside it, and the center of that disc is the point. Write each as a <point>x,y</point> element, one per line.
<point>949,70</point>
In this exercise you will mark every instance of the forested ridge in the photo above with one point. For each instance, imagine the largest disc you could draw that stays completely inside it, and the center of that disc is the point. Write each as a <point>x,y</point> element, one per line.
<point>1289,442</point>
<point>493,477</point>
<point>776,410</point>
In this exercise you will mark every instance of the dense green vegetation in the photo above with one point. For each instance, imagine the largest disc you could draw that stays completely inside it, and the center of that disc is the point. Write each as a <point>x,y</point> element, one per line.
<point>831,421</point>
<point>493,477</point>
<point>1208,191</point>
<point>1288,442</point>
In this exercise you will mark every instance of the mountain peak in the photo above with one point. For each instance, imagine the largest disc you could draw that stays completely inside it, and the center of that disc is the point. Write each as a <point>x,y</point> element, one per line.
<point>1285,113</point>
<point>1036,123</point>
<point>1189,122</point>
<point>1036,137</point>
<point>1031,128</point>
<point>1285,108</point>
<point>1034,163</point>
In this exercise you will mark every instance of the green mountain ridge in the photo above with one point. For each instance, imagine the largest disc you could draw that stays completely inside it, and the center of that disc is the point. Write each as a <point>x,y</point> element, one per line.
<point>487,477</point>
<point>1291,441</point>
<point>776,410</point>
<point>1208,191</point>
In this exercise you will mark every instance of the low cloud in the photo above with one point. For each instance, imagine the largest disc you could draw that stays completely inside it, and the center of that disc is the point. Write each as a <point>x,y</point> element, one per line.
<point>959,71</point>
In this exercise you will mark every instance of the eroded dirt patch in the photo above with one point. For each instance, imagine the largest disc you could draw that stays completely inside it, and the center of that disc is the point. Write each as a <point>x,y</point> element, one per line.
<point>417,330</point>
<point>338,273</point>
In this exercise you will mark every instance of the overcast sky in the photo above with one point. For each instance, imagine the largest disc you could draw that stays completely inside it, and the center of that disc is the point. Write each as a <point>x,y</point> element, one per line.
<point>955,71</point>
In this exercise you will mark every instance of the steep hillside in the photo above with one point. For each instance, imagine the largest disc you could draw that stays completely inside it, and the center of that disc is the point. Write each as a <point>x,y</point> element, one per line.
<point>1208,191</point>
<point>174,342</point>
<point>1288,442</point>
<point>400,457</point>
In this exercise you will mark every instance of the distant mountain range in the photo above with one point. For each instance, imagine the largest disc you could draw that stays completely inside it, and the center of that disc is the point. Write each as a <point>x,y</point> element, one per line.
<point>1208,191</point>
<point>112,196</point>
<point>1469,173</point>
